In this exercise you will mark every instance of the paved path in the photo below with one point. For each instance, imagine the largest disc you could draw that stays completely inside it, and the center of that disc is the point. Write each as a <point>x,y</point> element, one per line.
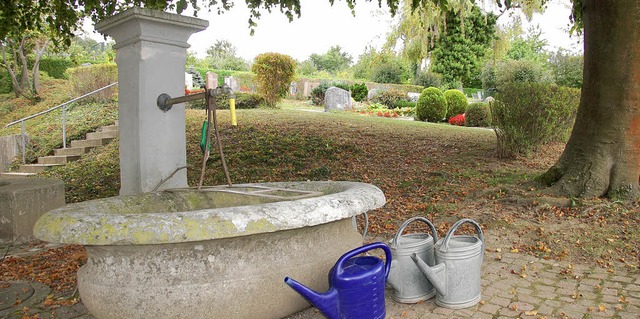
<point>513,286</point>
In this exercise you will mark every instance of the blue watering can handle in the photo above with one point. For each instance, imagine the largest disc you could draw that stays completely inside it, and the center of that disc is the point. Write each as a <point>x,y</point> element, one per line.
<point>362,249</point>
<point>410,220</point>
<point>445,243</point>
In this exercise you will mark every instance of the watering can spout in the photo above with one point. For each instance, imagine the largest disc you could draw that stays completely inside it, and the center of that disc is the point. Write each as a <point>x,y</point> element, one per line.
<point>435,274</point>
<point>326,302</point>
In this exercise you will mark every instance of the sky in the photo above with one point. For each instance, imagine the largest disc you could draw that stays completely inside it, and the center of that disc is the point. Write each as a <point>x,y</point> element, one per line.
<point>322,26</point>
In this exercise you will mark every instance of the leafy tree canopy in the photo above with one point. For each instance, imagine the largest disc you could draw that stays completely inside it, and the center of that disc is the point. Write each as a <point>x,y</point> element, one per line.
<point>21,15</point>
<point>332,61</point>
<point>459,51</point>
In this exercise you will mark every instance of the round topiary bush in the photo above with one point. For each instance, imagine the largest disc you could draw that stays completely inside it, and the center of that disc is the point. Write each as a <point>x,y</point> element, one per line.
<point>456,102</point>
<point>359,91</point>
<point>478,115</point>
<point>431,106</point>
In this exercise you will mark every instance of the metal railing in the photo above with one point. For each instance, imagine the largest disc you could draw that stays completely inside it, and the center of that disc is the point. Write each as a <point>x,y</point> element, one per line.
<point>64,119</point>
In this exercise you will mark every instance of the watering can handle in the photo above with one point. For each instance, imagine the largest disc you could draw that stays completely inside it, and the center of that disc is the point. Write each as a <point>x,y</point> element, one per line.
<point>445,243</point>
<point>362,249</point>
<point>406,223</point>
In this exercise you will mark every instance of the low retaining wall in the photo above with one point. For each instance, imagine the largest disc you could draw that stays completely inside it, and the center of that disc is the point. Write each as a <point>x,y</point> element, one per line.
<point>9,149</point>
<point>23,200</point>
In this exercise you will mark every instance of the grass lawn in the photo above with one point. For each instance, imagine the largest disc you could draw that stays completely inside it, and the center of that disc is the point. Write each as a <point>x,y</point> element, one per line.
<point>439,171</point>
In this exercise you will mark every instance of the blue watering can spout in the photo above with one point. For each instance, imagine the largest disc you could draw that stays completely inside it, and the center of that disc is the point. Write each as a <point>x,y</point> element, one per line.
<point>326,302</point>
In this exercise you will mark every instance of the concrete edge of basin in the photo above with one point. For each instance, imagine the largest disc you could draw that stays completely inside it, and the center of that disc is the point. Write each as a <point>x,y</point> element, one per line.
<point>79,224</point>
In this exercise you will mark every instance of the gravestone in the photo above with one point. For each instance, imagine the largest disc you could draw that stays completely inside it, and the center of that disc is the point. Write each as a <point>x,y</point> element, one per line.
<point>232,82</point>
<point>336,98</point>
<point>372,93</point>
<point>293,89</point>
<point>413,97</point>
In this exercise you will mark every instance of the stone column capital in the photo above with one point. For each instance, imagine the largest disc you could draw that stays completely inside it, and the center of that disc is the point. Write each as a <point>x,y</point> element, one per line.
<point>140,24</point>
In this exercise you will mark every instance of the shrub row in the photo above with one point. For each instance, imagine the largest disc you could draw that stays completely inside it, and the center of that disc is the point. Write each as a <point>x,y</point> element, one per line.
<point>435,106</point>
<point>243,101</point>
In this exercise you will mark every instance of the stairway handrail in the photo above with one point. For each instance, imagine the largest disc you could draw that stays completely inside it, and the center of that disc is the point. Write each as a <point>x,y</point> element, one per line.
<point>61,105</point>
<point>64,129</point>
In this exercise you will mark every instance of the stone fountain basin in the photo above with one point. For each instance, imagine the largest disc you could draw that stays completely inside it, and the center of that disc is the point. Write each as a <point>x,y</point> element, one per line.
<point>220,252</point>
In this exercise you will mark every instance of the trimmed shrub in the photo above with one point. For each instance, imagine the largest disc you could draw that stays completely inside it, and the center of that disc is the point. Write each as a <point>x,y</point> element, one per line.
<point>55,67</point>
<point>274,72</point>
<point>85,79</point>
<point>359,92</point>
<point>456,103</point>
<point>431,106</point>
<point>526,116</point>
<point>390,98</point>
<point>478,115</point>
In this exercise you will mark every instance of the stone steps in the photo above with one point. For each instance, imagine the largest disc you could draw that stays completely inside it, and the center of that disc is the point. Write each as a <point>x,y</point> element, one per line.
<point>62,156</point>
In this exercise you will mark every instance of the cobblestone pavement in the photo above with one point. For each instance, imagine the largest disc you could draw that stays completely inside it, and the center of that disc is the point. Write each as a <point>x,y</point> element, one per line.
<point>513,286</point>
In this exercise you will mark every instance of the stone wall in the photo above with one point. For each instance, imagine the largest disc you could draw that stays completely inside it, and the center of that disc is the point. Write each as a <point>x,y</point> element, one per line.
<point>24,200</point>
<point>10,147</point>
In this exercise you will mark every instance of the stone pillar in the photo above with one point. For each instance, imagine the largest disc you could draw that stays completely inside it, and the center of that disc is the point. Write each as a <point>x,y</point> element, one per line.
<point>151,52</point>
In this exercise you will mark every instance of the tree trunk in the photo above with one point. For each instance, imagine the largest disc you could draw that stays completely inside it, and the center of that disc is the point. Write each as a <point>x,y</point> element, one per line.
<point>40,48</point>
<point>602,157</point>
<point>22,57</point>
<point>9,66</point>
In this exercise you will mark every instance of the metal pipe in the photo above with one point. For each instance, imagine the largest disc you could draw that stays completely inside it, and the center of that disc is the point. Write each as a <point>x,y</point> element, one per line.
<point>165,101</point>
<point>24,144</point>
<point>64,127</point>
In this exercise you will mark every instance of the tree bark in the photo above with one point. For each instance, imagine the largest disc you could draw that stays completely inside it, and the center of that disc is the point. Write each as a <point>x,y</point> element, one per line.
<point>40,48</point>
<point>24,80</point>
<point>9,66</point>
<point>602,156</point>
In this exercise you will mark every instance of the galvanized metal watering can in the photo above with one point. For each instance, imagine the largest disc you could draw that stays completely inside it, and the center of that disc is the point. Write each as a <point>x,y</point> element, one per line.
<point>456,275</point>
<point>407,281</point>
<point>356,286</point>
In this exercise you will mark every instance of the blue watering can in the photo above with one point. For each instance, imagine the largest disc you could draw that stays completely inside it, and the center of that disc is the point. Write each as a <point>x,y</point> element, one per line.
<point>356,286</point>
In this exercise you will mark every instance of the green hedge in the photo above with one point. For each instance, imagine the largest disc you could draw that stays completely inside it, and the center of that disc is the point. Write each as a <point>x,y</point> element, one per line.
<point>85,79</point>
<point>243,101</point>
<point>56,67</point>
<point>528,115</point>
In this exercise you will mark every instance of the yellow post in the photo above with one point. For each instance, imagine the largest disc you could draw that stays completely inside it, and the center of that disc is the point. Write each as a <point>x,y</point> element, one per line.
<point>232,109</point>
